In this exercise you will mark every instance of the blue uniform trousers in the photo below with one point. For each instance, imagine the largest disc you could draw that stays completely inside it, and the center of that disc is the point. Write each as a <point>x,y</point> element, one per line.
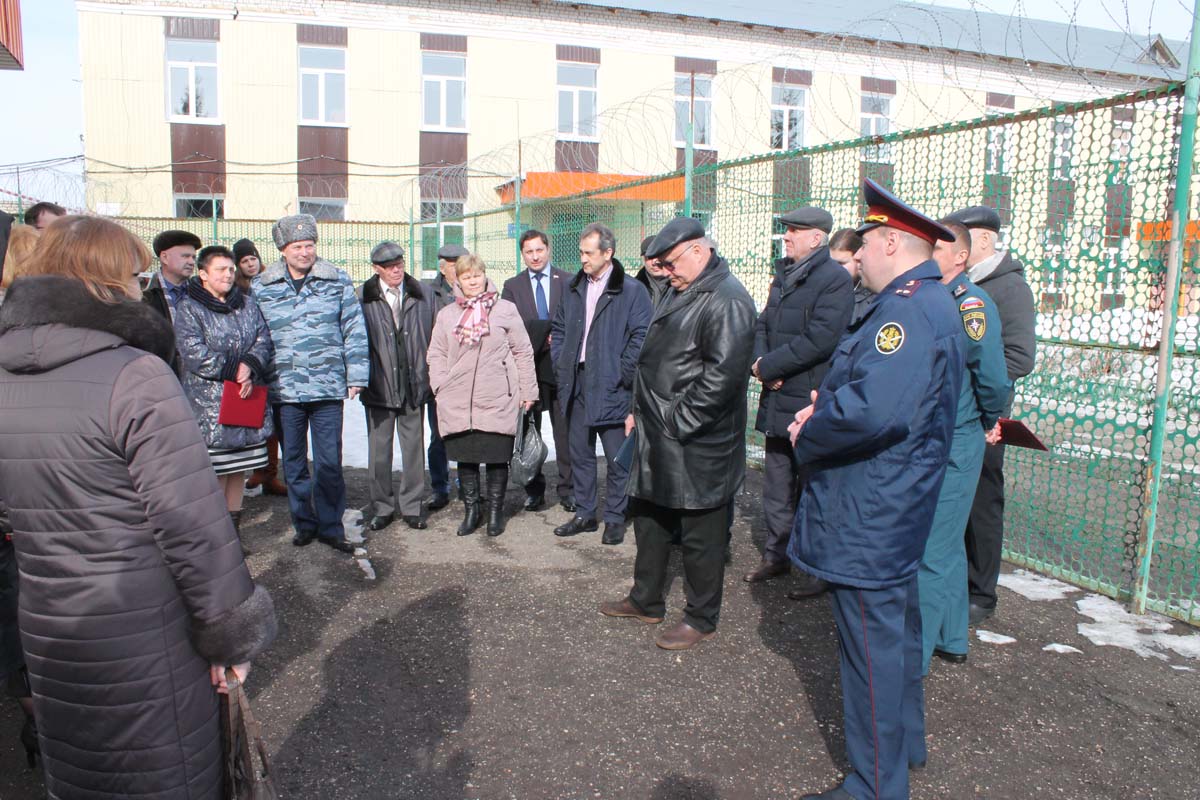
<point>884,701</point>
<point>582,440</point>
<point>317,505</point>
<point>942,576</point>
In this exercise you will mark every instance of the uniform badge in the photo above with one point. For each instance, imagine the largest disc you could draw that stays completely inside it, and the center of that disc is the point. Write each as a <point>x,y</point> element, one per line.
<point>959,290</point>
<point>975,324</point>
<point>970,304</point>
<point>889,338</point>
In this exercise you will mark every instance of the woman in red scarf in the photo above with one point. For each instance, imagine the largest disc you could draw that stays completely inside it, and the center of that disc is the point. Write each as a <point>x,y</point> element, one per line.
<point>481,373</point>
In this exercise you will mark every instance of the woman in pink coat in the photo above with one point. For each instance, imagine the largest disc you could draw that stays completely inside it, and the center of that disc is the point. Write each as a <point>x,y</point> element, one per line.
<point>481,373</point>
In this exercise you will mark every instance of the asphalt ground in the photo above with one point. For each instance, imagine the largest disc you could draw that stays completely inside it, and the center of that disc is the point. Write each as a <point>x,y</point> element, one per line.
<point>479,668</point>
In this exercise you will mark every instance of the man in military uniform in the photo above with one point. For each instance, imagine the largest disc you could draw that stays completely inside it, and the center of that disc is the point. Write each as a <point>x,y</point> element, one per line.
<point>942,578</point>
<point>322,357</point>
<point>879,431</point>
<point>689,410</point>
<point>442,292</point>
<point>1001,276</point>
<point>808,308</point>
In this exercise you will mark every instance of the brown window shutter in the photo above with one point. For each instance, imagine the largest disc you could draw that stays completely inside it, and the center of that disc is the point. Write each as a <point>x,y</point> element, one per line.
<point>582,55</point>
<point>323,35</point>
<point>878,86</point>
<point>700,66</point>
<point>444,42</point>
<point>191,28</point>
<point>792,77</point>
<point>197,158</point>
<point>997,100</point>
<point>322,170</point>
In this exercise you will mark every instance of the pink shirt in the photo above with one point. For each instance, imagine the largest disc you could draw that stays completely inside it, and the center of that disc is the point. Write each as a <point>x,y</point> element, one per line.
<point>595,289</point>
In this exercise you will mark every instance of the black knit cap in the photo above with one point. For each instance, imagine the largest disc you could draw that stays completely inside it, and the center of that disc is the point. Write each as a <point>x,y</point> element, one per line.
<point>243,248</point>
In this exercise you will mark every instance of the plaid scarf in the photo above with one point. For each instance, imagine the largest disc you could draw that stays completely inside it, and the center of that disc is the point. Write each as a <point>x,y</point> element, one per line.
<point>473,324</point>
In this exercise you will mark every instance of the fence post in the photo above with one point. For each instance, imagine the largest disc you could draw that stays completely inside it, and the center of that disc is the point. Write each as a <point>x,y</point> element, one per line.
<point>412,247</point>
<point>517,219</point>
<point>1166,347</point>
<point>216,232</point>
<point>689,152</point>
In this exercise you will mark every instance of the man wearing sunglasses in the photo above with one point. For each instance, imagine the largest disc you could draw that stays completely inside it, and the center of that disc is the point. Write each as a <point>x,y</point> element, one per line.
<point>689,414</point>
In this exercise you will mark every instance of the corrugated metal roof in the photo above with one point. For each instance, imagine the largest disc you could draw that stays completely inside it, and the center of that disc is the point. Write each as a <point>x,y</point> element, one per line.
<point>938,27</point>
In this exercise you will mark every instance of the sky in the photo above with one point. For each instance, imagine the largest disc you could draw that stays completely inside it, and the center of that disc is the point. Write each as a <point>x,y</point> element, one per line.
<point>49,115</point>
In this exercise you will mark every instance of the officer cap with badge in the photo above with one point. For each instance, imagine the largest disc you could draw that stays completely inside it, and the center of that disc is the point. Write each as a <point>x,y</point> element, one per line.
<point>884,209</point>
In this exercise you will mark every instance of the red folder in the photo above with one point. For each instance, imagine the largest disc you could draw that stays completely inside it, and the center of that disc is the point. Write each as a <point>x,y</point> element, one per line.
<point>1013,432</point>
<point>248,413</point>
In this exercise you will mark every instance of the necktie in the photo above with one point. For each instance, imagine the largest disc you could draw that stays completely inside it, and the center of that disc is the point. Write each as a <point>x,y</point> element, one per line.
<point>540,297</point>
<point>394,302</point>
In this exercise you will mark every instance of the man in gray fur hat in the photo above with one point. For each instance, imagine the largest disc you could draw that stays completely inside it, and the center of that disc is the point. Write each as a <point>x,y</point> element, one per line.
<point>322,358</point>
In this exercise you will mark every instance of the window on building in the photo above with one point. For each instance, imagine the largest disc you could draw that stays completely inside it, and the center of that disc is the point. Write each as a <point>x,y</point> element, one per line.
<point>577,101</point>
<point>199,206</point>
<point>323,85</point>
<point>787,116</point>
<point>875,119</point>
<point>1062,151</point>
<point>697,106</point>
<point>324,209</point>
<point>444,80</point>
<point>192,80</point>
<point>998,145</point>
<point>437,229</point>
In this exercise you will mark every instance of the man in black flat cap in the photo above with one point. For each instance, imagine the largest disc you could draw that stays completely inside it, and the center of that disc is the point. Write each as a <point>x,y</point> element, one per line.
<point>808,308</point>
<point>656,279</point>
<point>689,414</point>
<point>1002,277</point>
<point>398,310</point>
<point>176,253</point>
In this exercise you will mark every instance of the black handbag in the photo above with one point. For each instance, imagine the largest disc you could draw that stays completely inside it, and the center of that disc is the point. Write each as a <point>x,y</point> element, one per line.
<point>529,451</point>
<point>244,780</point>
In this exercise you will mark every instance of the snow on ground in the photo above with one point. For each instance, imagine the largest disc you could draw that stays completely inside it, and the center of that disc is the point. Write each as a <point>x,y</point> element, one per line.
<point>1055,647</point>
<point>993,638</point>
<point>1146,635</point>
<point>1035,587</point>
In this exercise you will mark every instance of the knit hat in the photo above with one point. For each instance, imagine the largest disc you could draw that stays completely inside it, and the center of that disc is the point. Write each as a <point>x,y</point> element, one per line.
<point>296,228</point>
<point>243,248</point>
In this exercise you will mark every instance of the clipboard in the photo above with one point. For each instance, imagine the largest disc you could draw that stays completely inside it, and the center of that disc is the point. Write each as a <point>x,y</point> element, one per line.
<point>1014,432</point>
<point>248,413</point>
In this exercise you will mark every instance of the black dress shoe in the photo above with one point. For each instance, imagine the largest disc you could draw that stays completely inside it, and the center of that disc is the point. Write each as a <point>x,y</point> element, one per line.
<point>953,658</point>
<point>341,545</point>
<point>303,538</point>
<point>415,522</point>
<point>535,503</point>
<point>807,587</point>
<point>381,521</point>
<point>917,766</point>
<point>577,525</point>
<point>836,793</point>
<point>438,502</point>
<point>977,614</point>
<point>614,533</point>
<point>568,504</point>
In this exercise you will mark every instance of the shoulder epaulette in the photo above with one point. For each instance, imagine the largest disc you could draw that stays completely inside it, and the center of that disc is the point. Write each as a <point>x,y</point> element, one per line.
<point>960,290</point>
<point>907,289</point>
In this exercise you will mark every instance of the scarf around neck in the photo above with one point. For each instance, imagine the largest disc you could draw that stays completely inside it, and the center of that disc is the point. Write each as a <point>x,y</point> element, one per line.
<point>473,324</point>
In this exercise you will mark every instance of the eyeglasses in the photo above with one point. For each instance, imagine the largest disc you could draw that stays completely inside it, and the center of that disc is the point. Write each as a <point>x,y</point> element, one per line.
<point>669,263</point>
<point>393,265</point>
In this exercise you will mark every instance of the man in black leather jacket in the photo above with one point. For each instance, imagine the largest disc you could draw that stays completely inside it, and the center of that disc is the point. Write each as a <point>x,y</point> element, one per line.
<point>689,412</point>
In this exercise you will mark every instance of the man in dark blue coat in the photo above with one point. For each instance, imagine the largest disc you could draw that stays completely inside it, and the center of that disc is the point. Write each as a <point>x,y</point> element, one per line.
<point>808,308</point>
<point>595,340</point>
<point>876,442</point>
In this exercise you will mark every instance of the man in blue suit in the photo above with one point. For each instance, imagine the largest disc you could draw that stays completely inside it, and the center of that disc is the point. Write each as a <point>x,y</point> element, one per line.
<point>876,442</point>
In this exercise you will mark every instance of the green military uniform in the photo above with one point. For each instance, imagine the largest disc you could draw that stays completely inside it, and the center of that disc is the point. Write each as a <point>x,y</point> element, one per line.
<point>942,577</point>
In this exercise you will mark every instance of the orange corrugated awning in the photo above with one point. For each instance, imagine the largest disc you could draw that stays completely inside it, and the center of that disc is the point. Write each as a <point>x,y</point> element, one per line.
<point>545,185</point>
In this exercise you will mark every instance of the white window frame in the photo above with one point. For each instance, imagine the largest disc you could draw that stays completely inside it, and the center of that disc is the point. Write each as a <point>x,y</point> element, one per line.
<point>321,74</point>
<point>1062,147</point>
<point>998,149</point>
<point>576,93</point>
<point>442,82</point>
<point>191,197</point>
<point>785,109</point>
<point>701,105</point>
<point>880,153</point>
<point>190,66</point>
<point>1119,127</point>
<point>326,201</point>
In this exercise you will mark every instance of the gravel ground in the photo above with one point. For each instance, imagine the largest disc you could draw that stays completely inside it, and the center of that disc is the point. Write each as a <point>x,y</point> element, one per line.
<point>479,668</point>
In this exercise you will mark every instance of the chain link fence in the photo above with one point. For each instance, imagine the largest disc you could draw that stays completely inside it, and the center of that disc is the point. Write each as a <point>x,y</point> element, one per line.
<point>1084,191</point>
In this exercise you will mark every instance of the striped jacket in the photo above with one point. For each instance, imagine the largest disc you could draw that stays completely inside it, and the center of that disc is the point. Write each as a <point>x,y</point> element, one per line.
<point>320,336</point>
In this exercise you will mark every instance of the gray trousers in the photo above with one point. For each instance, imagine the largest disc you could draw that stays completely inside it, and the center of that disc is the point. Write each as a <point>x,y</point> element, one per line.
<point>782,481</point>
<point>409,428</point>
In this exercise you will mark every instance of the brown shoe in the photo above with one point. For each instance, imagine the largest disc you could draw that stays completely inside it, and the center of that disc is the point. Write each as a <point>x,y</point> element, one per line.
<point>767,570</point>
<point>681,637</point>
<point>624,608</point>
<point>274,486</point>
<point>256,478</point>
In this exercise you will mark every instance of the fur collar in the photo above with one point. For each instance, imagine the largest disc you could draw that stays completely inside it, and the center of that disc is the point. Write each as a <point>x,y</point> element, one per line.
<point>373,289</point>
<point>616,278</point>
<point>54,300</point>
<point>322,270</point>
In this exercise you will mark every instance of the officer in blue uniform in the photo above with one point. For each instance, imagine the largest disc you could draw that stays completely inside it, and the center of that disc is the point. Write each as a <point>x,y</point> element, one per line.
<point>942,579</point>
<point>876,441</point>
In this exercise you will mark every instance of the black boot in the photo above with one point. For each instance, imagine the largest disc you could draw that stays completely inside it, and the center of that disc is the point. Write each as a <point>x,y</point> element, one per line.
<point>497,482</point>
<point>468,479</point>
<point>29,740</point>
<point>236,516</point>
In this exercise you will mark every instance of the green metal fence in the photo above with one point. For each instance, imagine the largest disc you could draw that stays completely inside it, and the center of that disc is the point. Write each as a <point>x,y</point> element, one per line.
<point>1085,193</point>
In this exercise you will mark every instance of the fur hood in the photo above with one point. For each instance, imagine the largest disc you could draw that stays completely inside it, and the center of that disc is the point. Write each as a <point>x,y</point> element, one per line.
<point>50,320</point>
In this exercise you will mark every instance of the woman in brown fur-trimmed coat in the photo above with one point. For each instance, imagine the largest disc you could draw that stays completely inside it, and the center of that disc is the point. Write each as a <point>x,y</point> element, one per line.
<point>133,588</point>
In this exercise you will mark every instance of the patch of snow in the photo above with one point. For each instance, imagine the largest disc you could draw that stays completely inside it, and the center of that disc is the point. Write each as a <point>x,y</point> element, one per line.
<point>993,638</point>
<point>1036,587</point>
<point>1061,648</point>
<point>365,565</point>
<point>1182,668</point>
<point>352,521</point>
<point>1148,635</point>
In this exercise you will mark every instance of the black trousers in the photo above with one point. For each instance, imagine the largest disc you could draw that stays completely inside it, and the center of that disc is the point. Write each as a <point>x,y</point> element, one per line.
<point>783,479</point>
<point>985,529</point>
<point>703,535</point>
<point>548,401</point>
